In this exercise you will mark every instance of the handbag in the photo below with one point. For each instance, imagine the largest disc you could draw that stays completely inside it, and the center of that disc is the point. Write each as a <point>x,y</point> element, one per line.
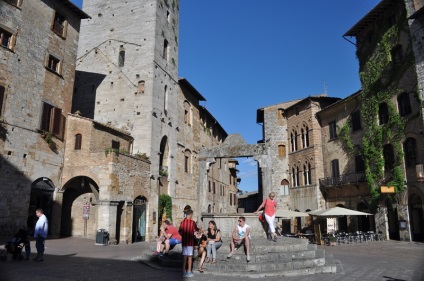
<point>262,216</point>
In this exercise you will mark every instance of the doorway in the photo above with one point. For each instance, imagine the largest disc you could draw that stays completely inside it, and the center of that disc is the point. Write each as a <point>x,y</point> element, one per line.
<point>41,198</point>
<point>139,219</point>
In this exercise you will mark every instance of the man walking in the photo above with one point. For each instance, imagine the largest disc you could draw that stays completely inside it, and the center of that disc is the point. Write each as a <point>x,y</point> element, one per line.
<point>40,234</point>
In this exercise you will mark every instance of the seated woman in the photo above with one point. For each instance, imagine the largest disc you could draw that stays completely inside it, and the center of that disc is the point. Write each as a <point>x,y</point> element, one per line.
<point>214,241</point>
<point>200,245</point>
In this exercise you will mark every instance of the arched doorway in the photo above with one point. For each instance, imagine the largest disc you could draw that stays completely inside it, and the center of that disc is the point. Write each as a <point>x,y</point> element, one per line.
<point>41,197</point>
<point>79,207</point>
<point>363,221</point>
<point>139,219</point>
<point>416,216</point>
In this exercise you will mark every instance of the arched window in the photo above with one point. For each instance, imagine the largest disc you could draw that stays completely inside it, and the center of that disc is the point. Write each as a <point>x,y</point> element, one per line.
<point>410,151</point>
<point>305,136</point>
<point>293,140</point>
<point>307,173</point>
<point>285,187</point>
<point>121,59</point>
<point>78,140</point>
<point>165,99</point>
<point>383,113</point>
<point>295,175</point>
<point>404,105</point>
<point>389,157</point>
<point>187,161</point>
<point>209,209</point>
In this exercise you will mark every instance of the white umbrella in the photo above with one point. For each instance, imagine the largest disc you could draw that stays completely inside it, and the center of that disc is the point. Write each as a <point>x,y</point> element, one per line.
<point>289,214</point>
<point>337,211</point>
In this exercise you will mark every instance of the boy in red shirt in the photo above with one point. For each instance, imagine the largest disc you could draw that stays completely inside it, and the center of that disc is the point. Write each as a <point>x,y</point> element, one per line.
<point>187,228</point>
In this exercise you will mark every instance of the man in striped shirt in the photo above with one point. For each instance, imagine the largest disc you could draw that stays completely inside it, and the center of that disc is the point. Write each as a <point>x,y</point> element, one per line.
<point>187,228</point>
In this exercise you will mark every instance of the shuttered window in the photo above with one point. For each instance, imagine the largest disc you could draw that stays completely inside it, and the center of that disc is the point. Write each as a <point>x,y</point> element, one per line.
<point>52,120</point>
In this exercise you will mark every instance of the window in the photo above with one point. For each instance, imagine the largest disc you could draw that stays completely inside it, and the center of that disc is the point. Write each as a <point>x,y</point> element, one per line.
<point>59,24</point>
<point>209,186</point>
<point>209,209</point>
<point>7,39</point>
<point>165,49</point>
<point>53,63</point>
<point>397,54</point>
<point>383,113</point>
<point>359,164</point>
<point>214,188</point>
<point>391,20</point>
<point>285,187</point>
<point>52,120</point>
<point>187,113</point>
<point>78,139</point>
<point>2,95</point>
<point>187,161</point>
<point>410,150</point>
<point>305,136</point>
<point>335,172</point>
<point>356,121</point>
<point>141,86</point>
<point>231,199</point>
<point>332,130</point>
<point>165,99</point>
<point>293,140</point>
<point>389,157</point>
<point>404,105</point>
<point>235,201</point>
<point>281,150</point>
<point>116,145</point>
<point>307,174</point>
<point>121,59</point>
<point>295,175</point>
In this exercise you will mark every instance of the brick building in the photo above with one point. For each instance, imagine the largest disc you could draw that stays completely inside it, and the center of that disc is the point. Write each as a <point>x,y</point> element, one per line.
<point>38,50</point>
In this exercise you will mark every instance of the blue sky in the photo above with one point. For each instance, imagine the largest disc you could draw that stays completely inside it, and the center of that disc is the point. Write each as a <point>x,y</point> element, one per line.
<point>242,55</point>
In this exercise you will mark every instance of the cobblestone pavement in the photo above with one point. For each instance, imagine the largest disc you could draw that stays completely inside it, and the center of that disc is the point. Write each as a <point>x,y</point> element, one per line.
<point>80,259</point>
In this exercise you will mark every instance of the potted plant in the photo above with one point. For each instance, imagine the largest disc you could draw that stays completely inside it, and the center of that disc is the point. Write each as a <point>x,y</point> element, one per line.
<point>332,240</point>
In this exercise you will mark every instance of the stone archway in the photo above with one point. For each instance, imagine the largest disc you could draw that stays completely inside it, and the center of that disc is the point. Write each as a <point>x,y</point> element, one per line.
<point>41,197</point>
<point>234,146</point>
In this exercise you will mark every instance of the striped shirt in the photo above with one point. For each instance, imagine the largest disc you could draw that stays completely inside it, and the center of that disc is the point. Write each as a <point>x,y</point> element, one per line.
<point>187,228</point>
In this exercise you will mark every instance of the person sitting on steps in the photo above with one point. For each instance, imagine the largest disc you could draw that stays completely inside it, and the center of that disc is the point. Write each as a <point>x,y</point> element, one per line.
<point>240,236</point>
<point>200,244</point>
<point>214,241</point>
<point>172,237</point>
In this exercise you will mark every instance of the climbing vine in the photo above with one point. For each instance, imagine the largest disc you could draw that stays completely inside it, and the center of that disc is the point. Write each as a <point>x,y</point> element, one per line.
<point>165,202</point>
<point>379,77</point>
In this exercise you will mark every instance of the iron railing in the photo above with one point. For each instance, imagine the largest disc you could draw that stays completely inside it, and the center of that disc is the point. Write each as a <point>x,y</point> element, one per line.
<point>342,179</point>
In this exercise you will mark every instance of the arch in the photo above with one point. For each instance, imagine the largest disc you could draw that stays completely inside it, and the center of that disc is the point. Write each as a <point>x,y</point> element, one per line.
<point>305,135</point>
<point>209,209</point>
<point>164,152</point>
<point>187,161</point>
<point>307,174</point>
<point>139,219</point>
<point>42,190</point>
<point>79,192</point>
<point>295,176</point>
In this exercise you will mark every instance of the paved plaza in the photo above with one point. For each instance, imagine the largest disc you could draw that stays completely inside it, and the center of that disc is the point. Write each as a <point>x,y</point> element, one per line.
<point>80,259</point>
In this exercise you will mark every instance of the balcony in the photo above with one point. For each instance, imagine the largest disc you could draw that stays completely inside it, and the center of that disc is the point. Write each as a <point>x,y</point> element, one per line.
<point>342,180</point>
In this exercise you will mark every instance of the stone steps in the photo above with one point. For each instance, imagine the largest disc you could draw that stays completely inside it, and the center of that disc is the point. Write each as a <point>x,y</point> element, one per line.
<point>286,257</point>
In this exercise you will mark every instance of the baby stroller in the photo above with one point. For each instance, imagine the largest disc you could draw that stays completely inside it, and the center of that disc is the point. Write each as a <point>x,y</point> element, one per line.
<point>15,245</point>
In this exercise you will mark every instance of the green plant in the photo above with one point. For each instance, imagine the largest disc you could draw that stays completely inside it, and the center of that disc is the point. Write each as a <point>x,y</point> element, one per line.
<point>47,136</point>
<point>380,77</point>
<point>163,173</point>
<point>165,203</point>
<point>110,150</point>
<point>141,155</point>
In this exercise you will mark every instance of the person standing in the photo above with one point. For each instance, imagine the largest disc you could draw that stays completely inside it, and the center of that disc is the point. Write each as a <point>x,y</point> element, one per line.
<point>270,206</point>
<point>40,234</point>
<point>187,229</point>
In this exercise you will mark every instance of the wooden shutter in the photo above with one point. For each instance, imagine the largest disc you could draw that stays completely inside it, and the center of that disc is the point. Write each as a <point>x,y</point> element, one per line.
<point>57,120</point>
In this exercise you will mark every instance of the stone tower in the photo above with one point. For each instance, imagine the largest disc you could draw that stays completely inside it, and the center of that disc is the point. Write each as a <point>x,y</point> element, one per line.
<point>127,76</point>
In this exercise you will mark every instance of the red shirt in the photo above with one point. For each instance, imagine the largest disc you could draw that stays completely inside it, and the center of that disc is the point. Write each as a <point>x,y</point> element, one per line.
<point>174,232</point>
<point>187,228</point>
<point>270,207</point>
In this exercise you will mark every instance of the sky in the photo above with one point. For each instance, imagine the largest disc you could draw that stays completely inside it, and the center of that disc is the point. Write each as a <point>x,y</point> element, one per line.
<point>242,55</point>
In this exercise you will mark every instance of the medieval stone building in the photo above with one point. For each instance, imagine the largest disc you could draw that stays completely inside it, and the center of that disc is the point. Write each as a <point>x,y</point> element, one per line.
<point>38,47</point>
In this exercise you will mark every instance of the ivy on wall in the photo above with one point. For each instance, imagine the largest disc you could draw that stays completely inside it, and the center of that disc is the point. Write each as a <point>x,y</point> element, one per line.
<point>165,204</point>
<point>380,77</point>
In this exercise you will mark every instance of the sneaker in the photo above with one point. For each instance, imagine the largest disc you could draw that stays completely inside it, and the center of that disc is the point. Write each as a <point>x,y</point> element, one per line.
<point>230,255</point>
<point>189,274</point>
<point>275,238</point>
<point>156,253</point>
<point>184,274</point>
<point>248,258</point>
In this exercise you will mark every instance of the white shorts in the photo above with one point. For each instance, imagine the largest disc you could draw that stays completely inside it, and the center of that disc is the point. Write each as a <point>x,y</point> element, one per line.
<point>187,250</point>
